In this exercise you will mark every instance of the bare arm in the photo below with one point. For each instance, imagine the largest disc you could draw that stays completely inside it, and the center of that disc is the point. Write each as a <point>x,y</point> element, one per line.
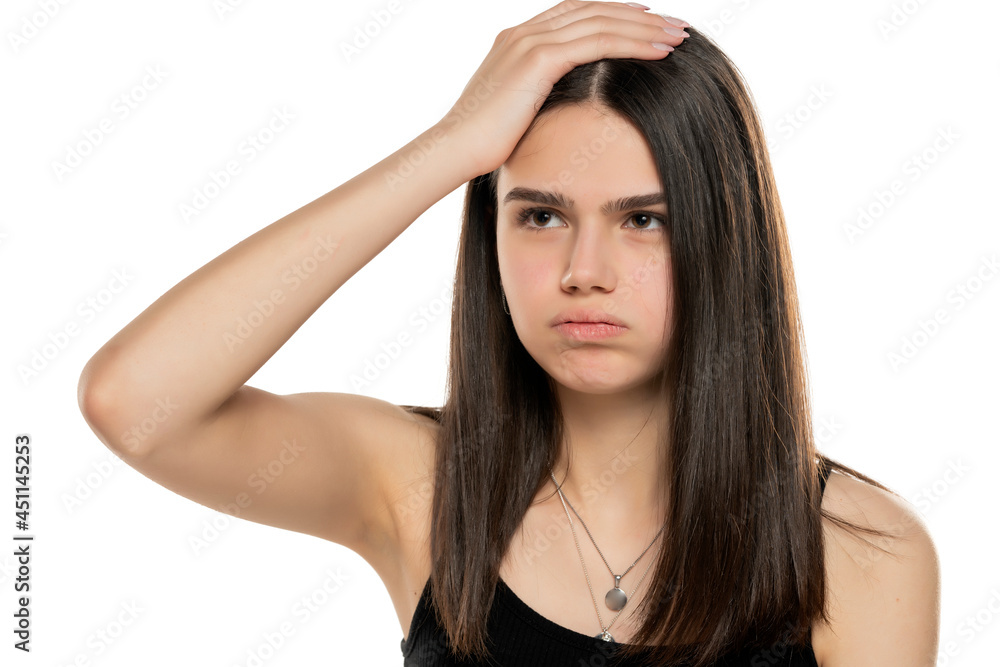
<point>188,347</point>
<point>167,392</point>
<point>885,605</point>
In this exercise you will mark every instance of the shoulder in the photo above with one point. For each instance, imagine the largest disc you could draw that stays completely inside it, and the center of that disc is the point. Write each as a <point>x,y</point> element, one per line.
<point>883,591</point>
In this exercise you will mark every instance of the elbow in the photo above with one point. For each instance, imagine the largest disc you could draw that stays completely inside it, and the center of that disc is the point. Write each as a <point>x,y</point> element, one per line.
<point>101,402</point>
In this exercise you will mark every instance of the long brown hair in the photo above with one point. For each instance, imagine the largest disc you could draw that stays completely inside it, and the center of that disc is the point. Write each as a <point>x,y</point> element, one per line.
<point>746,565</point>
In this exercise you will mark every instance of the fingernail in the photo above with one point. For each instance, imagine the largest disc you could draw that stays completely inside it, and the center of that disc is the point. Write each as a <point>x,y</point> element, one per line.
<point>681,23</point>
<point>662,47</point>
<point>676,32</point>
<point>636,5</point>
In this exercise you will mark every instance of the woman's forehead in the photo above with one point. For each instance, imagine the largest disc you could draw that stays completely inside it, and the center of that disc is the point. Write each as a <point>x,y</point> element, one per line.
<point>579,147</point>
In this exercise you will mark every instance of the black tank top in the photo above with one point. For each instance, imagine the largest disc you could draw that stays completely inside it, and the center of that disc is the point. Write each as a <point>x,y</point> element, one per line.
<point>519,636</point>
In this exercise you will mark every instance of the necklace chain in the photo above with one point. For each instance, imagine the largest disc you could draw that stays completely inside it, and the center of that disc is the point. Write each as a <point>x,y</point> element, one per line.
<point>599,549</point>
<point>586,574</point>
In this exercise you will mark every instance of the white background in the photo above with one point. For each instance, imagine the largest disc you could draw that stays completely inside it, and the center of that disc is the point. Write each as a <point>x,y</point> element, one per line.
<point>847,105</point>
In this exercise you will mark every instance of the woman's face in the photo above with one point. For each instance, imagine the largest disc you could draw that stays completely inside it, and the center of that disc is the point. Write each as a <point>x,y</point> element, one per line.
<point>575,248</point>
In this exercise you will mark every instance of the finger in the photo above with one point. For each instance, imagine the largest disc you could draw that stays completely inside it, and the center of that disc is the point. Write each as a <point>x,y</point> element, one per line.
<point>634,32</point>
<point>680,23</point>
<point>567,6</point>
<point>573,11</point>
<point>559,10</point>
<point>596,46</point>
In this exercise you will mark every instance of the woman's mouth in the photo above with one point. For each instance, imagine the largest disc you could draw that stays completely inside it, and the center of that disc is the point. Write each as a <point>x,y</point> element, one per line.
<point>589,330</point>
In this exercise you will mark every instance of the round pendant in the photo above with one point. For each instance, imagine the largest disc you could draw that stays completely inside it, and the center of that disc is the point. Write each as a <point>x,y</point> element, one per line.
<point>615,599</point>
<point>606,636</point>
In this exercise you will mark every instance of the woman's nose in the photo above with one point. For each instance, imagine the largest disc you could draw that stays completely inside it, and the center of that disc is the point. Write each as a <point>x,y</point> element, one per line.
<point>590,262</point>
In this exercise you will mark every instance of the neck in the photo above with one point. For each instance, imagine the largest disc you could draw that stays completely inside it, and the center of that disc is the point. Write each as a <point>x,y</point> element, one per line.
<point>609,460</point>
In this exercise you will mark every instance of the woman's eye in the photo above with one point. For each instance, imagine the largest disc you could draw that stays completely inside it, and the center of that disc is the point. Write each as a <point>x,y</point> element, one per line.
<point>530,215</point>
<point>648,220</point>
<point>537,219</point>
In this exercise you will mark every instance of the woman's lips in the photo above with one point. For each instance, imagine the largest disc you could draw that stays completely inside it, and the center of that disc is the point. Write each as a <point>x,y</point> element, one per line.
<point>589,330</point>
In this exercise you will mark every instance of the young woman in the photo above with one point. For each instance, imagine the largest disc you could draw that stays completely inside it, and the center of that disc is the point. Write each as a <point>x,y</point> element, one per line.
<point>624,470</point>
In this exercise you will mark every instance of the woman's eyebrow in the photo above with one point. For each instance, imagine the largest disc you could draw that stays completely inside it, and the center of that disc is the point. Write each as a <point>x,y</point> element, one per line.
<point>558,200</point>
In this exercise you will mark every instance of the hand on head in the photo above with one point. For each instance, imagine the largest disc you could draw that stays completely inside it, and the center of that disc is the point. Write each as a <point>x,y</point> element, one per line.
<point>503,96</point>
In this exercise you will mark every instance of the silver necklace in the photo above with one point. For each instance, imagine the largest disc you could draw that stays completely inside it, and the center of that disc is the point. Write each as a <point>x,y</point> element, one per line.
<point>615,598</point>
